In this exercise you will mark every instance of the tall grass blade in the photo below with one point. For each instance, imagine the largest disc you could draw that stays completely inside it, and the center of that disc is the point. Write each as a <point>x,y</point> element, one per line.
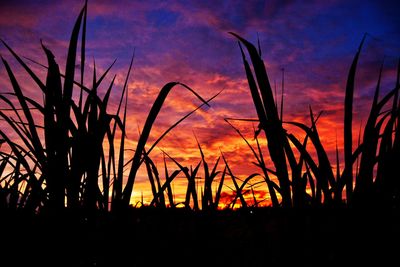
<point>273,129</point>
<point>168,186</point>
<point>191,188</point>
<point>254,91</point>
<point>83,50</point>
<point>282,93</point>
<point>71,57</point>
<point>348,120</point>
<point>145,134</point>
<point>219,190</point>
<point>237,188</point>
<point>180,120</point>
<point>151,180</point>
<point>364,180</point>
<point>387,185</point>
<point>27,69</point>
<point>117,187</point>
<point>57,162</point>
<point>35,140</point>
<point>272,186</point>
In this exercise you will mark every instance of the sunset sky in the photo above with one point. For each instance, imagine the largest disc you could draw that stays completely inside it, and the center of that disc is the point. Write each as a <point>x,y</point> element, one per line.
<point>188,41</point>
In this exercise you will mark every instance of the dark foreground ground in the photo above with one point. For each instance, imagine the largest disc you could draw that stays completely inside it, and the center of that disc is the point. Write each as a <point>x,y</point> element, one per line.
<point>152,237</point>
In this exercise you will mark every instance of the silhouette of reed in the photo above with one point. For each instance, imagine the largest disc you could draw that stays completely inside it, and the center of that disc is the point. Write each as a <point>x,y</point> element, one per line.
<point>378,150</point>
<point>66,148</point>
<point>67,165</point>
<point>62,164</point>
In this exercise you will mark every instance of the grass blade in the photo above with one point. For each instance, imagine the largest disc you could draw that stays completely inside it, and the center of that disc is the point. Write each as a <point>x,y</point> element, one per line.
<point>348,120</point>
<point>145,134</point>
<point>35,140</point>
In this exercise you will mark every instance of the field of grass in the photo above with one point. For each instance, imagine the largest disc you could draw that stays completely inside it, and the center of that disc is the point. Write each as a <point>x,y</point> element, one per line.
<point>66,182</point>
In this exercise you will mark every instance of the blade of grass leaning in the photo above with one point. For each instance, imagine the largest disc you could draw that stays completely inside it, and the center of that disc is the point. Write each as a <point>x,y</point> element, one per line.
<point>33,182</point>
<point>94,136</point>
<point>35,140</point>
<point>71,58</point>
<point>32,138</point>
<point>358,159</point>
<point>164,187</point>
<point>214,173</point>
<point>150,175</point>
<point>299,180</point>
<point>254,198</point>
<point>244,139</point>
<point>348,120</point>
<point>322,182</point>
<point>311,183</point>
<point>105,182</point>
<point>24,136</point>
<point>83,50</point>
<point>168,186</point>
<point>81,86</point>
<point>323,159</point>
<point>282,93</point>
<point>157,178</point>
<point>191,188</point>
<point>219,190</point>
<point>117,188</point>
<point>4,162</point>
<point>24,130</point>
<point>380,118</point>
<point>396,141</point>
<point>237,188</point>
<point>19,151</point>
<point>57,165</point>
<point>145,134</point>
<point>262,116</point>
<point>69,81</point>
<point>109,177</point>
<point>273,129</point>
<point>207,201</point>
<point>272,186</point>
<point>174,125</point>
<point>99,124</point>
<point>14,192</point>
<point>261,164</point>
<point>262,78</point>
<point>27,69</point>
<point>338,190</point>
<point>385,181</point>
<point>324,174</point>
<point>182,119</point>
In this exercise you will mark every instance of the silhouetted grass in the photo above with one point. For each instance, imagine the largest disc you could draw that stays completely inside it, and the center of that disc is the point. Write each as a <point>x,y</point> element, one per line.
<point>378,149</point>
<point>66,148</point>
<point>67,165</point>
<point>63,166</point>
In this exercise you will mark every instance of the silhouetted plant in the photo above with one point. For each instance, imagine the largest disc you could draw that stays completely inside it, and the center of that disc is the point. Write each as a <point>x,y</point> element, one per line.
<point>57,152</point>
<point>379,148</point>
<point>64,167</point>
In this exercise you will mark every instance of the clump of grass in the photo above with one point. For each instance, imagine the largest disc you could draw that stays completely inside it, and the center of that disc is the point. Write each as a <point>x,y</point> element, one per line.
<point>57,152</point>
<point>67,165</point>
<point>206,199</point>
<point>378,150</point>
